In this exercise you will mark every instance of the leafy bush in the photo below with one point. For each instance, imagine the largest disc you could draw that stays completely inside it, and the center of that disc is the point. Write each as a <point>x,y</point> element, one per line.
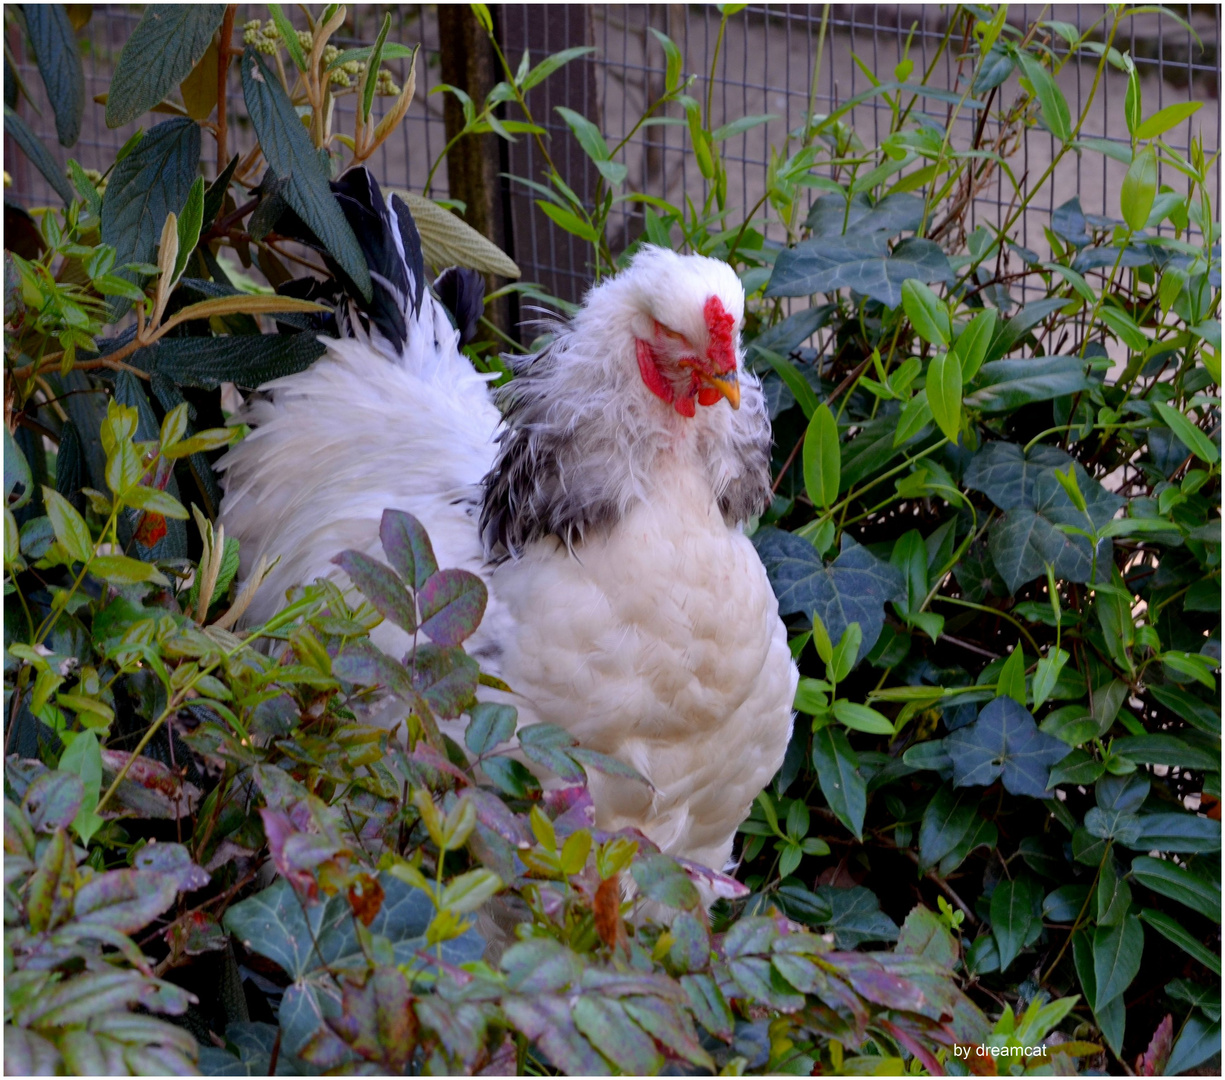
<point>995,539</point>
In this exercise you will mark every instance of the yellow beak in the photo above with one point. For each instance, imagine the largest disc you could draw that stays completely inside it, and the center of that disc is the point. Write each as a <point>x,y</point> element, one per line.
<point>728,385</point>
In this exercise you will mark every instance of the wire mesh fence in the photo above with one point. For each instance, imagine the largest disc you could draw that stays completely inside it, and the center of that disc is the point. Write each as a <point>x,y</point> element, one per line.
<point>774,60</point>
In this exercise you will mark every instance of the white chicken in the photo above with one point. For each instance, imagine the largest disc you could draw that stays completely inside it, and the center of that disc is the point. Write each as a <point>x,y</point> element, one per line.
<point>603,508</point>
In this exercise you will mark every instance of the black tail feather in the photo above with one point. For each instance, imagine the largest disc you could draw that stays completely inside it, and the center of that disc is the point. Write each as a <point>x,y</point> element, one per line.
<point>462,293</point>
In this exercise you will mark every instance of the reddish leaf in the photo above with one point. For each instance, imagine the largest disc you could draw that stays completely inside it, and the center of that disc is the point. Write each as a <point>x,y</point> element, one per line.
<point>607,912</point>
<point>366,898</point>
<point>152,529</point>
<point>125,900</point>
<point>1153,1061</point>
<point>452,603</point>
<point>446,678</point>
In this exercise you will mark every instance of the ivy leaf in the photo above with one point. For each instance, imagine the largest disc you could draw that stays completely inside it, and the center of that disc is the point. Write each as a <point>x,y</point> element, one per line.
<point>854,588</point>
<point>164,47</point>
<point>1006,385</point>
<point>292,157</point>
<point>1004,741</point>
<point>856,916</point>
<point>1006,474</point>
<point>59,63</point>
<point>832,215</point>
<point>859,261</point>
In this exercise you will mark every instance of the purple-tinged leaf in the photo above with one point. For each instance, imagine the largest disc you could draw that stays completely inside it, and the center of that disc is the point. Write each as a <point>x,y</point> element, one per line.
<point>360,662</point>
<point>26,1053</point>
<point>51,888</point>
<point>618,1038</point>
<point>175,860</point>
<point>407,547</point>
<point>379,584</point>
<point>452,604</point>
<point>547,1021</point>
<point>446,678</point>
<point>609,766</point>
<point>489,725</point>
<point>540,966</point>
<point>52,800</point>
<point>661,880</point>
<point>125,900</point>
<point>709,1006</point>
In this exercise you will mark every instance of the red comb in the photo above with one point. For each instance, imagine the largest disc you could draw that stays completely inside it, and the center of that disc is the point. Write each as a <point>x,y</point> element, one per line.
<point>720,326</point>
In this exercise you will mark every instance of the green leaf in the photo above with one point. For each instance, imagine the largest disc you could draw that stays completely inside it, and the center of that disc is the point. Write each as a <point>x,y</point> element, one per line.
<point>822,457</point>
<point>1004,741</point>
<point>1188,434</point>
<point>59,63</point>
<point>1139,189</point>
<point>859,261</point>
<point>70,528</point>
<point>1014,912</point>
<point>490,725</point>
<point>372,67</point>
<point>190,222</point>
<point>951,828</point>
<point>121,570</point>
<point>1047,674</point>
<point>166,44</point>
<point>1166,877</point>
<point>973,343</point>
<point>1199,1040</point>
<point>1003,386</point>
<point>944,393</point>
<point>926,313</point>
<point>856,917</point>
<point>1011,680</point>
<point>1172,930</point>
<point>23,135</point>
<point>153,181</point>
<point>154,501</point>
<point>379,584</point>
<point>452,603</point>
<point>842,785</point>
<point>289,36</point>
<point>1117,952</point>
<point>568,221</point>
<point>18,485</point>
<point>587,134</point>
<point>294,160</point>
<point>557,60</point>
<point>1164,119</point>
<point>916,415</point>
<point>1053,104</point>
<point>854,588</point>
<point>248,359</point>
<point>862,718</point>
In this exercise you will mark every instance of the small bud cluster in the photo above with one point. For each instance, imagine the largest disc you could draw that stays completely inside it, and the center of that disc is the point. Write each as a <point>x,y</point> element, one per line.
<point>263,36</point>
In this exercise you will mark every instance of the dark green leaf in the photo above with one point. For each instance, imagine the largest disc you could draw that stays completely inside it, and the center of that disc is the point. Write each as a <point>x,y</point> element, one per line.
<point>1198,1041</point>
<point>249,360</point>
<point>1004,741</point>
<point>59,63</point>
<point>1014,911</point>
<point>859,261</point>
<point>294,160</point>
<point>832,215</point>
<point>854,588</point>
<point>662,880</point>
<point>1166,877</point>
<point>1160,748</point>
<point>1182,832</point>
<point>23,135</point>
<point>125,900</point>
<point>1005,385</point>
<point>1116,958</point>
<point>152,181</point>
<point>18,484</point>
<point>842,785</point>
<point>166,44</point>
<point>1174,931</point>
<point>856,916</point>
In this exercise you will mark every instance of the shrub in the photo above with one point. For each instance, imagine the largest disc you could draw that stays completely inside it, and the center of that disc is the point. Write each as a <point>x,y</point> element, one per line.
<point>995,540</point>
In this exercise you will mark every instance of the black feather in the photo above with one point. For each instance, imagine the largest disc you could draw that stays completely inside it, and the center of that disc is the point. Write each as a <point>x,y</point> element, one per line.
<point>411,240</point>
<point>462,293</point>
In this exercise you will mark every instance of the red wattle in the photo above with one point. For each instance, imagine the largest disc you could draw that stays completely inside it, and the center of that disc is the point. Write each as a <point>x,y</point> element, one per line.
<point>708,395</point>
<point>648,367</point>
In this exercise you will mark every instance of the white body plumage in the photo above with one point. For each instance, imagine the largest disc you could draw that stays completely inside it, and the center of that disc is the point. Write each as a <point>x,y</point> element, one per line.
<point>626,604</point>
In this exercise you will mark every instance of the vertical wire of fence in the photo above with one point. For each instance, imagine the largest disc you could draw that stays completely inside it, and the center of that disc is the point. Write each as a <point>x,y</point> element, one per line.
<point>765,67</point>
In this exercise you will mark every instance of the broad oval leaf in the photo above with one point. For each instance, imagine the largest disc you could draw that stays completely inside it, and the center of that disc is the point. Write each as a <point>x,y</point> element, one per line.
<point>379,584</point>
<point>822,457</point>
<point>452,604</point>
<point>944,393</point>
<point>926,313</point>
<point>1139,189</point>
<point>164,47</point>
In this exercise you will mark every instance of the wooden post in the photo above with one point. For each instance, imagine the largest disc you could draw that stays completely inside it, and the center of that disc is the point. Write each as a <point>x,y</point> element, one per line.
<point>474,162</point>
